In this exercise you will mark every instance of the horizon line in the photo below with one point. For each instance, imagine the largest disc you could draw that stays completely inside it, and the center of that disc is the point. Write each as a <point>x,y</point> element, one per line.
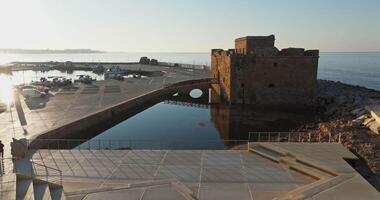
<point>95,51</point>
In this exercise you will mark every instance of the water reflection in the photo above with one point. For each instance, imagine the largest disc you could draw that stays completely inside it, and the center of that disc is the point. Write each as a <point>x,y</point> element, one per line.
<point>234,122</point>
<point>185,122</point>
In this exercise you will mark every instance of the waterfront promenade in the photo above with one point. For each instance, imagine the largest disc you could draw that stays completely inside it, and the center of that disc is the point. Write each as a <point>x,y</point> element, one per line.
<point>208,174</point>
<point>39,115</point>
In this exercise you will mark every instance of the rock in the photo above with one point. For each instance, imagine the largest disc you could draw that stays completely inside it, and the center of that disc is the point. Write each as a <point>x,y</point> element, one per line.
<point>368,121</point>
<point>360,120</point>
<point>358,111</point>
<point>358,100</point>
<point>331,110</point>
<point>154,62</point>
<point>340,100</point>
<point>374,126</point>
<point>144,60</point>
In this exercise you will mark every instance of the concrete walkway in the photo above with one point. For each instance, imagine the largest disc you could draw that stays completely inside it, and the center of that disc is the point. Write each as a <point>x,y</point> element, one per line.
<point>41,114</point>
<point>220,174</point>
<point>207,174</point>
<point>331,157</point>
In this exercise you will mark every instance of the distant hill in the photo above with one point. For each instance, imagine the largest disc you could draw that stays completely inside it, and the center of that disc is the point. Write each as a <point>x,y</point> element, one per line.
<point>48,51</point>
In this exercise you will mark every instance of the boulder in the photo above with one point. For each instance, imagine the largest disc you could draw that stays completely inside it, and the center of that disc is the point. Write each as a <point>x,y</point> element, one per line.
<point>154,62</point>
<point>360,120</point>
<point>374,126</point>
<point>144,60</point>
<point>368,121</point>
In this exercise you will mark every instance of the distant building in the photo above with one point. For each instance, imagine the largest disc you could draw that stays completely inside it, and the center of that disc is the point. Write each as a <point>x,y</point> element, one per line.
<point>256,72</point>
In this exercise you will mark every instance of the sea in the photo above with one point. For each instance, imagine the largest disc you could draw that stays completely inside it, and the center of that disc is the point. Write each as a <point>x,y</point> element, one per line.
<point>356,68</point>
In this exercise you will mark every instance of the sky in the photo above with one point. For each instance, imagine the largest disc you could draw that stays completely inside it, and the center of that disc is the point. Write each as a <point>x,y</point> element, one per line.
<point>188,25</point>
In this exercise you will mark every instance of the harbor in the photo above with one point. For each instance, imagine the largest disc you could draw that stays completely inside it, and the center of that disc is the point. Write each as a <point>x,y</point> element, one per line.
<point>82,122</point>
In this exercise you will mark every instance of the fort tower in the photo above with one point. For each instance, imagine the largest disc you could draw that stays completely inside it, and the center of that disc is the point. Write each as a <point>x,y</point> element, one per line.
<point>256,72</point>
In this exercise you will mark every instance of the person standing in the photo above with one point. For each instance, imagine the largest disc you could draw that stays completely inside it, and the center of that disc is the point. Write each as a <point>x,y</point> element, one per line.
<point>1,149</point>
<point>2,158</point>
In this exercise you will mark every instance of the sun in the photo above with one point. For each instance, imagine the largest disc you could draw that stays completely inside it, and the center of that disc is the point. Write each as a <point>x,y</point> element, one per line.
<point>6,89</point>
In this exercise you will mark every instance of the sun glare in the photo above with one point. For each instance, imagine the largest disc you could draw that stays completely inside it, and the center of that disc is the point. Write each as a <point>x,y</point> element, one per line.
<point>6,90</point>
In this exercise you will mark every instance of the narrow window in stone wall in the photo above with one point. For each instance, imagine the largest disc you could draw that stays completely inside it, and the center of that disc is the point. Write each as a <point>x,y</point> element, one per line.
<point>271,86</point>
<point>275,64</point>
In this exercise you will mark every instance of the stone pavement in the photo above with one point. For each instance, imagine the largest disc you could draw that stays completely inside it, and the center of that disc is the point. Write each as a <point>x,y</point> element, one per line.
<point>220,174</point>
<point>331,156</point>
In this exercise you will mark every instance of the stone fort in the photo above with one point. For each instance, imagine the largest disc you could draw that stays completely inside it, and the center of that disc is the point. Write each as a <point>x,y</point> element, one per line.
<point>256,72</point>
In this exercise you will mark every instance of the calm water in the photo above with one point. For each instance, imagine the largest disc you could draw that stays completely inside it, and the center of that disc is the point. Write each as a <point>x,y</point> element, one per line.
<point>353,68</point>
<point>163,125</point>
<point>167,125</point>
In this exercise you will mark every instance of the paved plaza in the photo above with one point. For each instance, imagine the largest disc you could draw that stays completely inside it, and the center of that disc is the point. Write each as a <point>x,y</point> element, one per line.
<point>224,174</point>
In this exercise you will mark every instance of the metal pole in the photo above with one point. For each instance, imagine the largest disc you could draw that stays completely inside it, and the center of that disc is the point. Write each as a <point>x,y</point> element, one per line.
<point>13,124</point>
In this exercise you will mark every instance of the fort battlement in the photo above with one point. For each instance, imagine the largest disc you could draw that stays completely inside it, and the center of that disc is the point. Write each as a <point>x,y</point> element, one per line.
<point>256,72</point>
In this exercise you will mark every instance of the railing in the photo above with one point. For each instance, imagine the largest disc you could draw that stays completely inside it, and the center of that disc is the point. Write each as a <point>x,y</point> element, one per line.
<point>4,171</point>
<point>188,83</point>
<point>187,104</point>
<point>300,137</point>
<point>51,174</point>
<point>164,144</point>
<point>32,170</point>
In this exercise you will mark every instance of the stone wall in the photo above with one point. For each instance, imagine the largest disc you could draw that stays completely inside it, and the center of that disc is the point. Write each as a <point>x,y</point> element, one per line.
<point>246,45</point>
<point>221,71</point>
<point>265,75</point>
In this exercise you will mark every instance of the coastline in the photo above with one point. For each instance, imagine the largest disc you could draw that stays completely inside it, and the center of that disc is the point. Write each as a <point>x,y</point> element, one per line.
<point>346,110</point>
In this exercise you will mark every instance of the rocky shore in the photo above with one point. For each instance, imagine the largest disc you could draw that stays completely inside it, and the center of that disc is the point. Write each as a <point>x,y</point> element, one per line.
<point>349,112</point>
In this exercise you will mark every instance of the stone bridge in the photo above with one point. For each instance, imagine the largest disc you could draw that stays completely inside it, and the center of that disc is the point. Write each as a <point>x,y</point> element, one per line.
<point>192,91</point>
